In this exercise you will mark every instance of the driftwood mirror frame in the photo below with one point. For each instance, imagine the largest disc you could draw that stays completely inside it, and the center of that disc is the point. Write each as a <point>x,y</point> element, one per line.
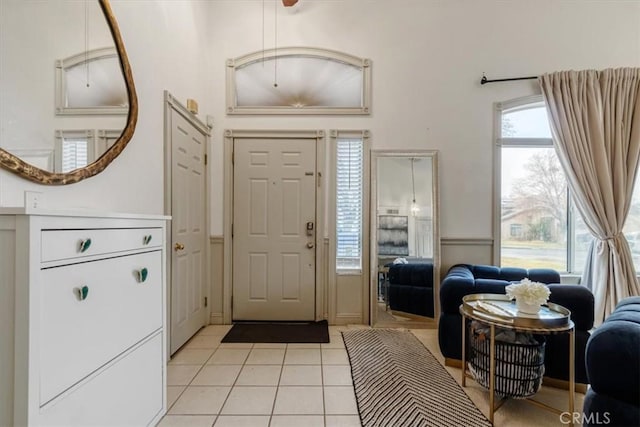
<point>16,165</point>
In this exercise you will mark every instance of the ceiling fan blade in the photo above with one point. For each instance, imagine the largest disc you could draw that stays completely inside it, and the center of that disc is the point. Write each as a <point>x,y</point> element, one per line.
<point>289,3</point>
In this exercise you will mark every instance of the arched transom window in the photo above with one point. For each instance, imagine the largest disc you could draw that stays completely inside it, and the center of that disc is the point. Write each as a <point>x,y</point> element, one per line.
<point>298,81</point>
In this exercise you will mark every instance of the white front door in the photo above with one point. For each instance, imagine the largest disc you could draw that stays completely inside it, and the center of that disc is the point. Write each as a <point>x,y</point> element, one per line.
<point>274,224</point>
<point>188,230</point>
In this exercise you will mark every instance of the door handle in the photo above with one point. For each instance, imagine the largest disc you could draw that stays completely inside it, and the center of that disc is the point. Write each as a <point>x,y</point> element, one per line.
<point>178,247</point>
<point>310,245</point>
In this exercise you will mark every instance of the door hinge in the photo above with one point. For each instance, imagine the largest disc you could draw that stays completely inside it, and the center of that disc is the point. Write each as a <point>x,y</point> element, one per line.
<point>206,159</point>
<point>206,301</point>
<point>232,231</point>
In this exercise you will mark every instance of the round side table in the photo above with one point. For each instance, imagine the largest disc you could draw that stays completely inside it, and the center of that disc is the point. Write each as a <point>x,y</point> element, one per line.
<point>497,310</point>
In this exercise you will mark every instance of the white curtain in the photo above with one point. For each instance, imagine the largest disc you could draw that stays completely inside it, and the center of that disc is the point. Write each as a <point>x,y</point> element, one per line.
<point>595,123</point>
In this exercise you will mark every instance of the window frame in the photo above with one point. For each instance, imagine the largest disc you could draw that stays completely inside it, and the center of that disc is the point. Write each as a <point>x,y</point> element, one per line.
<point>61,135</point>
<point>523,103</point>
<point>363,135</point>
<point>62,65</point>
<point>364,64</point>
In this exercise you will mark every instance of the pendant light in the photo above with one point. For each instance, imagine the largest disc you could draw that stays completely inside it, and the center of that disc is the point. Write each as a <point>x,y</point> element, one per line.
<point>414,206</point>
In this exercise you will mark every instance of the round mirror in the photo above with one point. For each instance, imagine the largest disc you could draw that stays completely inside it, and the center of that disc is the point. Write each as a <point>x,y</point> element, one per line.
<point>68,104</point>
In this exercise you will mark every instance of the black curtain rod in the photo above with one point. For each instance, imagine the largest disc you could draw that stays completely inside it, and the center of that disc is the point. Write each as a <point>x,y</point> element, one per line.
<point>484,79</point>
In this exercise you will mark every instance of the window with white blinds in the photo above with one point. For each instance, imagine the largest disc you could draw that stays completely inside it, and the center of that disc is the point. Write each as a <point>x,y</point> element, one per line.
<point>75,153</point>
<point>349,203</point>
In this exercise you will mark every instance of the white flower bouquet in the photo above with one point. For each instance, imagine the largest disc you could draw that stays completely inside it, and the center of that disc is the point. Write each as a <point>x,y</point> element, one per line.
<point>529,295</point>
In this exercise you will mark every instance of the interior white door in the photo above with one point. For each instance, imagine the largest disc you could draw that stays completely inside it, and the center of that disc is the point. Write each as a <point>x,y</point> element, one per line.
<point>188,230</point>
<point>274,205</point>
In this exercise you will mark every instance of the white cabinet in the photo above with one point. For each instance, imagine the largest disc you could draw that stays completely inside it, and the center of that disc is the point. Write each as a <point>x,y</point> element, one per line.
<point>84,335</point>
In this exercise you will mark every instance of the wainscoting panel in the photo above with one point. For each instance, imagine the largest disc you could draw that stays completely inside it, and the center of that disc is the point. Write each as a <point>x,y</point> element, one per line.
<point>216,253</point>
<point>349,298</point>
<point>7,325</point>
<point>465,251</point>
<point>324,311</point>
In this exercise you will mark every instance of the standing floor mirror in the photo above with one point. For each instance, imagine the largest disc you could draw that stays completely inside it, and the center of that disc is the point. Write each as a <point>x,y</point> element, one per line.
<point>405,240</point>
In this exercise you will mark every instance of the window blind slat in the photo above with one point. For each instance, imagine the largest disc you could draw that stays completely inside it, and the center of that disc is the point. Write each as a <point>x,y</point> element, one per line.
<point>349,194</point>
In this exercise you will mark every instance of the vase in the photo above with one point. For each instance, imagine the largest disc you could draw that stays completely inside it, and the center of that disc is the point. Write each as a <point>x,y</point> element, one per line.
<point>527,308</point>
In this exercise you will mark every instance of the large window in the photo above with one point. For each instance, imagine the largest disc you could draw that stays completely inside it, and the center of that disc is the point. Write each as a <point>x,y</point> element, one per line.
<point>535,212</point>
<point>632,226</point>
<point>539,225</point>
<point>349,202</point>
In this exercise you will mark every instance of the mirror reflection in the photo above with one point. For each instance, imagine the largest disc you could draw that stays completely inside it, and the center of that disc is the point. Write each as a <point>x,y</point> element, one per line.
<point>64,99</point>
<point>91,83</point>
<point>405,239</point>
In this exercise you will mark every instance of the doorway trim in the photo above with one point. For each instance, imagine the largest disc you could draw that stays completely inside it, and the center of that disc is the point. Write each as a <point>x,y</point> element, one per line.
<point>227,282</point>
<point>171,103</point>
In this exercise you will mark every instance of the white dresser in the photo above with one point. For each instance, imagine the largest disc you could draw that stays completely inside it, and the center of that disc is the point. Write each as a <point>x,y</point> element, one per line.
<point>82,318</point>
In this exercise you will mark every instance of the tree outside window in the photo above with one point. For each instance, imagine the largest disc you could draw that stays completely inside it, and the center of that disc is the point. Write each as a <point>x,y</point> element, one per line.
<point>539,225</point>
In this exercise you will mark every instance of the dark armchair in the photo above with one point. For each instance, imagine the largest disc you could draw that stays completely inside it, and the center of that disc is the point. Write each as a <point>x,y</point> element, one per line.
<point>466,279</point>
<point>411,288</point>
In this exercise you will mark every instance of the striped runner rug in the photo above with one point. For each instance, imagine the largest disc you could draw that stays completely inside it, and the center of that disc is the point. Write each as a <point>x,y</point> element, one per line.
<point>399,383</point>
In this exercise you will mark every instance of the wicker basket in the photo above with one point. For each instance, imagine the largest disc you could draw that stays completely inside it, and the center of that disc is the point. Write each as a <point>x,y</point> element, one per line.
<point>519,367</point>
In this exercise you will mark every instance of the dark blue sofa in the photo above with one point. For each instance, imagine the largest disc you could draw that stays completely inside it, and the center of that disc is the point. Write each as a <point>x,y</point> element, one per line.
<point>464,279</point>
<point>411,288</point>
<point>613,367</point>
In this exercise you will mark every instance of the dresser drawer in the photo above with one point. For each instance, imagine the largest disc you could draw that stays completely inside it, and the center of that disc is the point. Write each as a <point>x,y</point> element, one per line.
<point>77,335</point>
<point>128,393</point>
<point>67,244</point>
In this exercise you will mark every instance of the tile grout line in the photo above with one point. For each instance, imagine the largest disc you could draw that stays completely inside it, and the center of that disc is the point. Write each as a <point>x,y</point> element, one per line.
<point>216,416</point>
<point>275,398</point>
<point>324,407</point>
<point>233,385</point>
<point>194,377</point>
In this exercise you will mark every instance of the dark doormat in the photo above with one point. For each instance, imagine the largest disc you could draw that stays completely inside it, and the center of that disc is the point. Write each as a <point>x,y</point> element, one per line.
<point>284,332</point>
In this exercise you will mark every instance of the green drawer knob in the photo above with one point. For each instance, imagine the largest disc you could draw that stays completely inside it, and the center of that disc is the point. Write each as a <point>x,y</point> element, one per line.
<point>142,275</point>
<point>84,245</point>
<point>146,239</point>
<point>82,293</point>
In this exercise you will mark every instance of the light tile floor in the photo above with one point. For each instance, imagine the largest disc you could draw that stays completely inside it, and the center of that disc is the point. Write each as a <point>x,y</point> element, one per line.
<point>270,385</point>
<point>298,385</point>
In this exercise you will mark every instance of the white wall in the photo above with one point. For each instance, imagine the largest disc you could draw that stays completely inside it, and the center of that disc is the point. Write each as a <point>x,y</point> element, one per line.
<point>428,57</point>
<point>27,85</point>
<point>167,43</point>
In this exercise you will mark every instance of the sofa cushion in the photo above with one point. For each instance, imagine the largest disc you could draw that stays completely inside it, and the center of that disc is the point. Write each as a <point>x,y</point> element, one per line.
<point>601,410</point>
<point>420,275</point>
<point>513,274</point>
<point>576,298</point>
<point>484,271</point>
<point>613,354</point>
<point>464,279</point>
